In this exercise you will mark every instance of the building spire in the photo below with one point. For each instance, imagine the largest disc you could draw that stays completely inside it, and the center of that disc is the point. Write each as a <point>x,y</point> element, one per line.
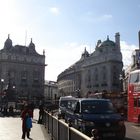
<point>117,40</point>
<point>107,37</point>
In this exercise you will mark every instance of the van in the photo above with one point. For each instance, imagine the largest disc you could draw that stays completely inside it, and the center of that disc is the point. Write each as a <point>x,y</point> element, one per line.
<point>63,105</point>
<point>95,117</point>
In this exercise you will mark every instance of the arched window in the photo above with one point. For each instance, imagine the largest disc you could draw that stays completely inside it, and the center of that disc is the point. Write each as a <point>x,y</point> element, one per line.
<point>96,74</point>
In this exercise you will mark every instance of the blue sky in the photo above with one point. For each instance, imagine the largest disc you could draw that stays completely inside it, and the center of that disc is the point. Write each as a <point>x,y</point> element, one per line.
<point>65,27</point>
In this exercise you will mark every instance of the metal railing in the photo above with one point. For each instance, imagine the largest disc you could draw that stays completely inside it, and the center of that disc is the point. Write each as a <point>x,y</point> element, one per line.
<point>59,130</point>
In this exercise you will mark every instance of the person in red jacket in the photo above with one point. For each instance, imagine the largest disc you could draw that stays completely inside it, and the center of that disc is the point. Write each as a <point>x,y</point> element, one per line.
<point>24,114</point>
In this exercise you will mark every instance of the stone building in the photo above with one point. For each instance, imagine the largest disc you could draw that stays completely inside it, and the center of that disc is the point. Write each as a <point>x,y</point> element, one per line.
<point>50,91</point>
<point>22,71</point>
<point>95,72</point>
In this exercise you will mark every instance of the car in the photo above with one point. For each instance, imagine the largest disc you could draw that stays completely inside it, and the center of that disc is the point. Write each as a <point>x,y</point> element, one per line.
<point>95,117</point>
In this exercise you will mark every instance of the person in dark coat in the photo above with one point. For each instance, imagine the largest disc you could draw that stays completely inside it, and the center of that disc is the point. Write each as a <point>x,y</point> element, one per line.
<point>11,111</point>
<point>26,113</point>
<point>5,112</point>
<point>32,107</point>
<point>41,113</point>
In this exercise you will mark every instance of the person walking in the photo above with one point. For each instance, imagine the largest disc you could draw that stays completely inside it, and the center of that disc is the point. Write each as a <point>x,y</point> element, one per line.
<point>41,113</point>
<point>26,116</point>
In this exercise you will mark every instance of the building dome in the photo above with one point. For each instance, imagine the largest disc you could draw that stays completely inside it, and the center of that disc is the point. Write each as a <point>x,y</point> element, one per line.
<point>8,43</point>
<point>107,43</point>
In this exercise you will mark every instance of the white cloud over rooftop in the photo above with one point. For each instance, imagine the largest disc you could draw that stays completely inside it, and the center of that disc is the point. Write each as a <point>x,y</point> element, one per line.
<point>55,11</point>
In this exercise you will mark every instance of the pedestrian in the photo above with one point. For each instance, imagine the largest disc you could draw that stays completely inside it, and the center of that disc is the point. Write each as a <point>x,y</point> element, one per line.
<point>11,111</point>
<point>41,113</point>
<point>28,124</point>
<point>32,107</point>
<point>5,112</point>
<point>26,116</point>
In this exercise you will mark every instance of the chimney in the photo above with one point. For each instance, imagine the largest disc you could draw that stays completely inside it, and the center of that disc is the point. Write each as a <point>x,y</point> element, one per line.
<point>117,40</point>
<point>139,39</point>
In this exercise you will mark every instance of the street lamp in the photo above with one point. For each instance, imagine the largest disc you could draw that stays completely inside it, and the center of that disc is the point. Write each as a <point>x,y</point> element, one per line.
<point>2,81</point>
<point>121,82</point>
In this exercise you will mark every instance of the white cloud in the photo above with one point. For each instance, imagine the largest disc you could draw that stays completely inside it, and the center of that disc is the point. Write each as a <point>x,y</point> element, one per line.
<point>105,17</point>
<point>55,11</point>
<point>127,50</point>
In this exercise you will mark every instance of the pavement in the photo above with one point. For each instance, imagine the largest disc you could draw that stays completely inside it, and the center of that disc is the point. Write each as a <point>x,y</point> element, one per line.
<point>11,129</point>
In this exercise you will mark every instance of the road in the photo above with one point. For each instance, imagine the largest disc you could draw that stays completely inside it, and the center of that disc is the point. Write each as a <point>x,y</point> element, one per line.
<point>132,131</point>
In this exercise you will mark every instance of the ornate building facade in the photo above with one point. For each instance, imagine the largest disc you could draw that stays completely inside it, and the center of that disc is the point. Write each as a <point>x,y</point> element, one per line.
<point>22,70</point>
<point>98,71</point>
<point>50,91</point>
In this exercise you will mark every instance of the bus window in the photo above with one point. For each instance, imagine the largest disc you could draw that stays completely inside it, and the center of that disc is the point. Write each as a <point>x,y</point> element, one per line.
<point>138,102</point>
<point>135,102</point>
<point>134,78</point>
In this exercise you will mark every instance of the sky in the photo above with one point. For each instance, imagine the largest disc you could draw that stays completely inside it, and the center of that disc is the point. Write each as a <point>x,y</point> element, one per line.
<point>63,28</point>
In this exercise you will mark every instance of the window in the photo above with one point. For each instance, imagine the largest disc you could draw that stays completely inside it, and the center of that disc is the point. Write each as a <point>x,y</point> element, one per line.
<point>115,76</point>
<point>9,57</point>
<point>36,76</point>
<point>138,102</point>
<point>104,72</point>
<point>134,78</point>
<point>87,79</point>
<point>104,76</point>
<point>71,105</point>
<point>24,75</point>
<point>97,107</point>
<point>89,76</point>
<point>135,102</point>
<point>96,74</point>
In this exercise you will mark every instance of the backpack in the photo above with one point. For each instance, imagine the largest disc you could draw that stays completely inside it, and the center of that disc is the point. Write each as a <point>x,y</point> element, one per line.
<point>29,122</point>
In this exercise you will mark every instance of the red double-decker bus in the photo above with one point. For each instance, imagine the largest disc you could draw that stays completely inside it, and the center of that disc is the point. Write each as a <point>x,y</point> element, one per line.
<point>134,96</point>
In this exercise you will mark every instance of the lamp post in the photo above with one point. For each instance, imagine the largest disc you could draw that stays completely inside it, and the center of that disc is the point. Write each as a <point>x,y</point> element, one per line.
<point>2,81</point>
<point>121,82</point>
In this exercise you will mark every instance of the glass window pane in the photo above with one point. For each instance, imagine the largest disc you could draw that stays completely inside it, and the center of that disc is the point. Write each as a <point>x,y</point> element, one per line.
<point>134,78</point>
<point>135,102</point>
<point>138,102</point>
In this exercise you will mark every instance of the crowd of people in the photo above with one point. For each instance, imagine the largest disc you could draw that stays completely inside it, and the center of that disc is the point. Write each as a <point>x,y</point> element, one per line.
<point>7,111</point>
